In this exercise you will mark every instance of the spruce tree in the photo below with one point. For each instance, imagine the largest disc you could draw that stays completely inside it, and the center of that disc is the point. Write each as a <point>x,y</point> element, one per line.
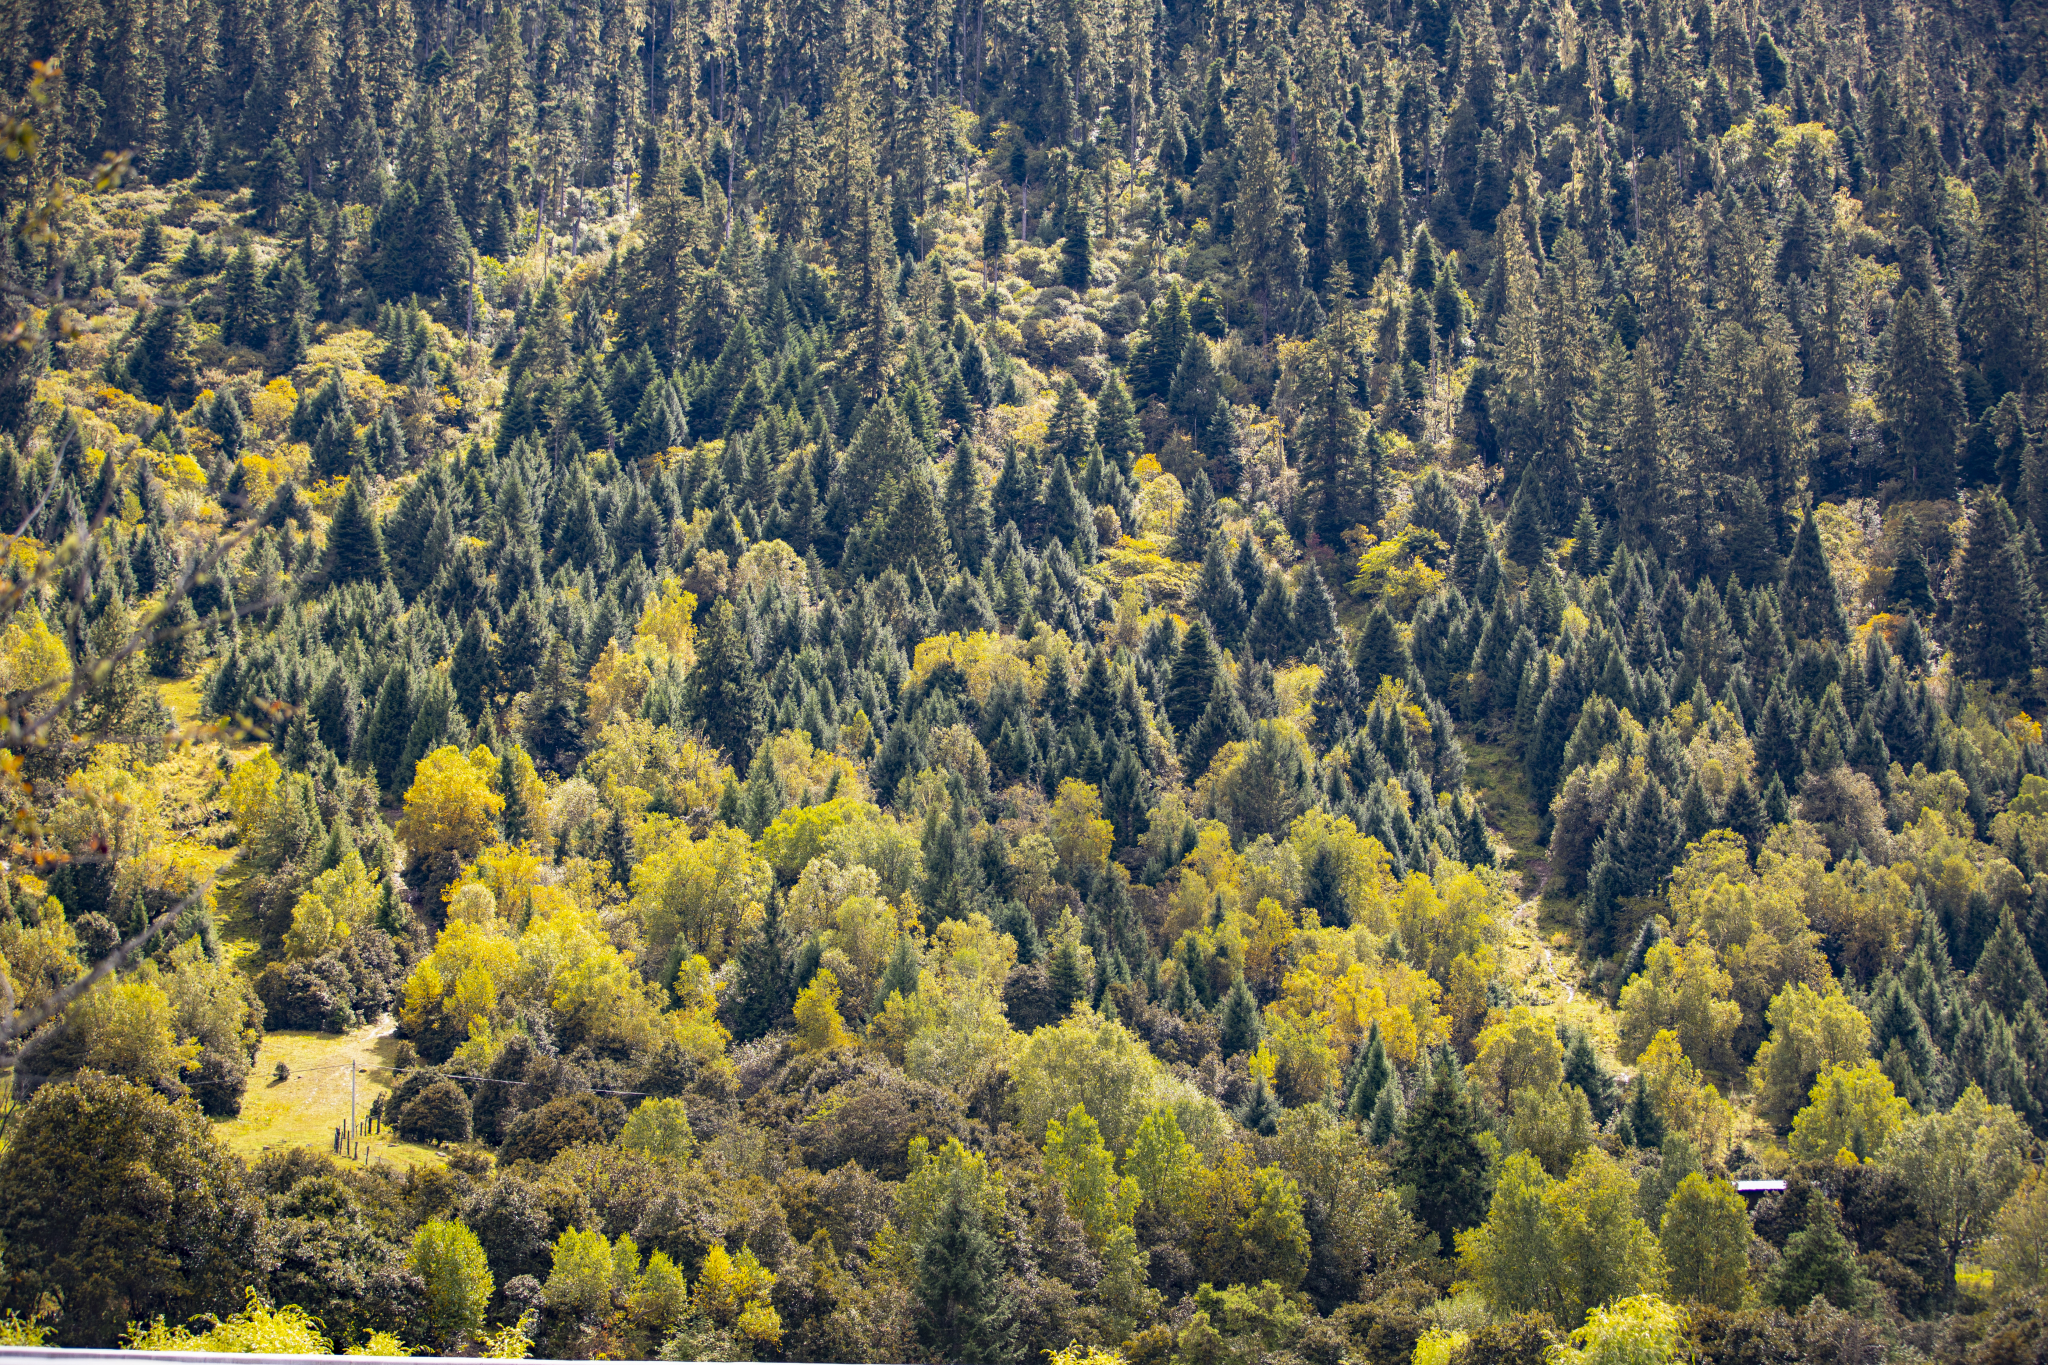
<point>1523,537</point>
<point>1808,597</point>
<point>1193,678</point>
<point>1819,1262</point>
<point>1240,1026</point>
<point>1440,1157</point>
<point>1222,600</point>
<point>964,1312</point>
<point>1371,1074</point>
<point>760,996</point>
<point>1381,654</point>
<point>967,514</point>
<point>517,820</point>
<point>355,545</point>
<point>554,713</point>
<point>161,365</point>
<point>1077,252</point>
<point>1910,587</point>
<point>1999,610</point>
<point>1116,424</point>
<point>722,692</point>
<point>1223,722</point>
<point>1198,519</point>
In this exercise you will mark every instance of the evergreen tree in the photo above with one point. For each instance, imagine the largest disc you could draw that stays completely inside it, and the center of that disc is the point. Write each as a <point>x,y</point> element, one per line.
<point>1818,1262</point>
<point>517,820</point>
<point>1194,674</point>
<point>471,669</point>
<point>1811,603</point>
<point>1198,519</point>
<point>1117,433</point>
<point>1440,1157</point>
<point>760,996</point>
<point>1381,654</point>
<point>554,726</point>
<point>1221,598</point>
<point>1920,398</point>
<point>1077,252</point>
<point>1239,1024</point>
<point>2001,634</point>
<point>1524,538</point>
<point>1063,979</point>
<point>722,692</point>
<point>1910,587</point>
<point>161,366</point>
<point>964,1310</point>
<point>355,545</point>
<point>967,514</point>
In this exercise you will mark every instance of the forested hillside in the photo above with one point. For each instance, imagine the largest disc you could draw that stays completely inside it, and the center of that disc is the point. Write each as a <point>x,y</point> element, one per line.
<point>1154,684</point>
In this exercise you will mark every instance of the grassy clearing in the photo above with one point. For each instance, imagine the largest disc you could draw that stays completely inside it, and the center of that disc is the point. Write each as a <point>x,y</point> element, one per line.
<point>1495,775</point>
<point>305,1110</point>
<point>183,698</point>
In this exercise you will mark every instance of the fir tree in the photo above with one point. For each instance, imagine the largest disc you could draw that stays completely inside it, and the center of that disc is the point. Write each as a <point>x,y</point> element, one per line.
<point>1239,1023</point>
<point>1818,1262</point>
<point>1116,424</point>
<point>1998,606</point>
<point>1077,252</point>
<point>1811,603</point>
<point>1194,674</point>
<point>760,996</point>
<point>1524,537</point>
<point>1221,598</point>
<point>1197,524</point>
<point>161,365</point>
<point>355,545</point>
<point>964,1312</point>
<point>1440,1157</point>
<point>1910,586</point>
<point>517,820</point>
<point>722,692</point>
<point>554,726</point>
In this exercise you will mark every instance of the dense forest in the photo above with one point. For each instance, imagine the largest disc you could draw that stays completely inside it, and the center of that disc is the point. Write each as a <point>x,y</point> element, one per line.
<point>1130,683</point>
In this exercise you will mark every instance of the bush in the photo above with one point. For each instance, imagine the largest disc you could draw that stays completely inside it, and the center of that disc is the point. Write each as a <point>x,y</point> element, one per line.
<point>307,995</point>
<point>436,1112</point>
<point>538,1134</point>
<point>105,1187</point>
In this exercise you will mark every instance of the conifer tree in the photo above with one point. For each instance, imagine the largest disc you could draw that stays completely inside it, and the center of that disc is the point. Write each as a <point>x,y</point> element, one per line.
<point>1077,251</point>
<point>2001,634</point>
<point>1239,1022</point>
<point>517,820</point>
<point>1221,598</point>
<point>1116,424</point>
<point>760,996</point>
<point>161,365</point>
<point>355,544</point>
<point>1921,400</point>
<point>1440,1157</point>
<point>1197,523</point>
<point>1523,538</point>
<point>554,724</point>
<point>995,232</point>
<point>1910,586</point>
<point>1811,602</point>
<point>722,693</point>
<point>964,1311</point>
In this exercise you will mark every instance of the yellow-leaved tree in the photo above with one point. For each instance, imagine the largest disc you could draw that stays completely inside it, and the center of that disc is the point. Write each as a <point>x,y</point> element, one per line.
<point>453,804</point>
<point>819,1027</point>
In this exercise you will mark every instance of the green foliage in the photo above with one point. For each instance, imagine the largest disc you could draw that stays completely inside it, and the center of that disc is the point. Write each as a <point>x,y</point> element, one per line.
<point>451,1265</point>
<point>122,1206</point>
